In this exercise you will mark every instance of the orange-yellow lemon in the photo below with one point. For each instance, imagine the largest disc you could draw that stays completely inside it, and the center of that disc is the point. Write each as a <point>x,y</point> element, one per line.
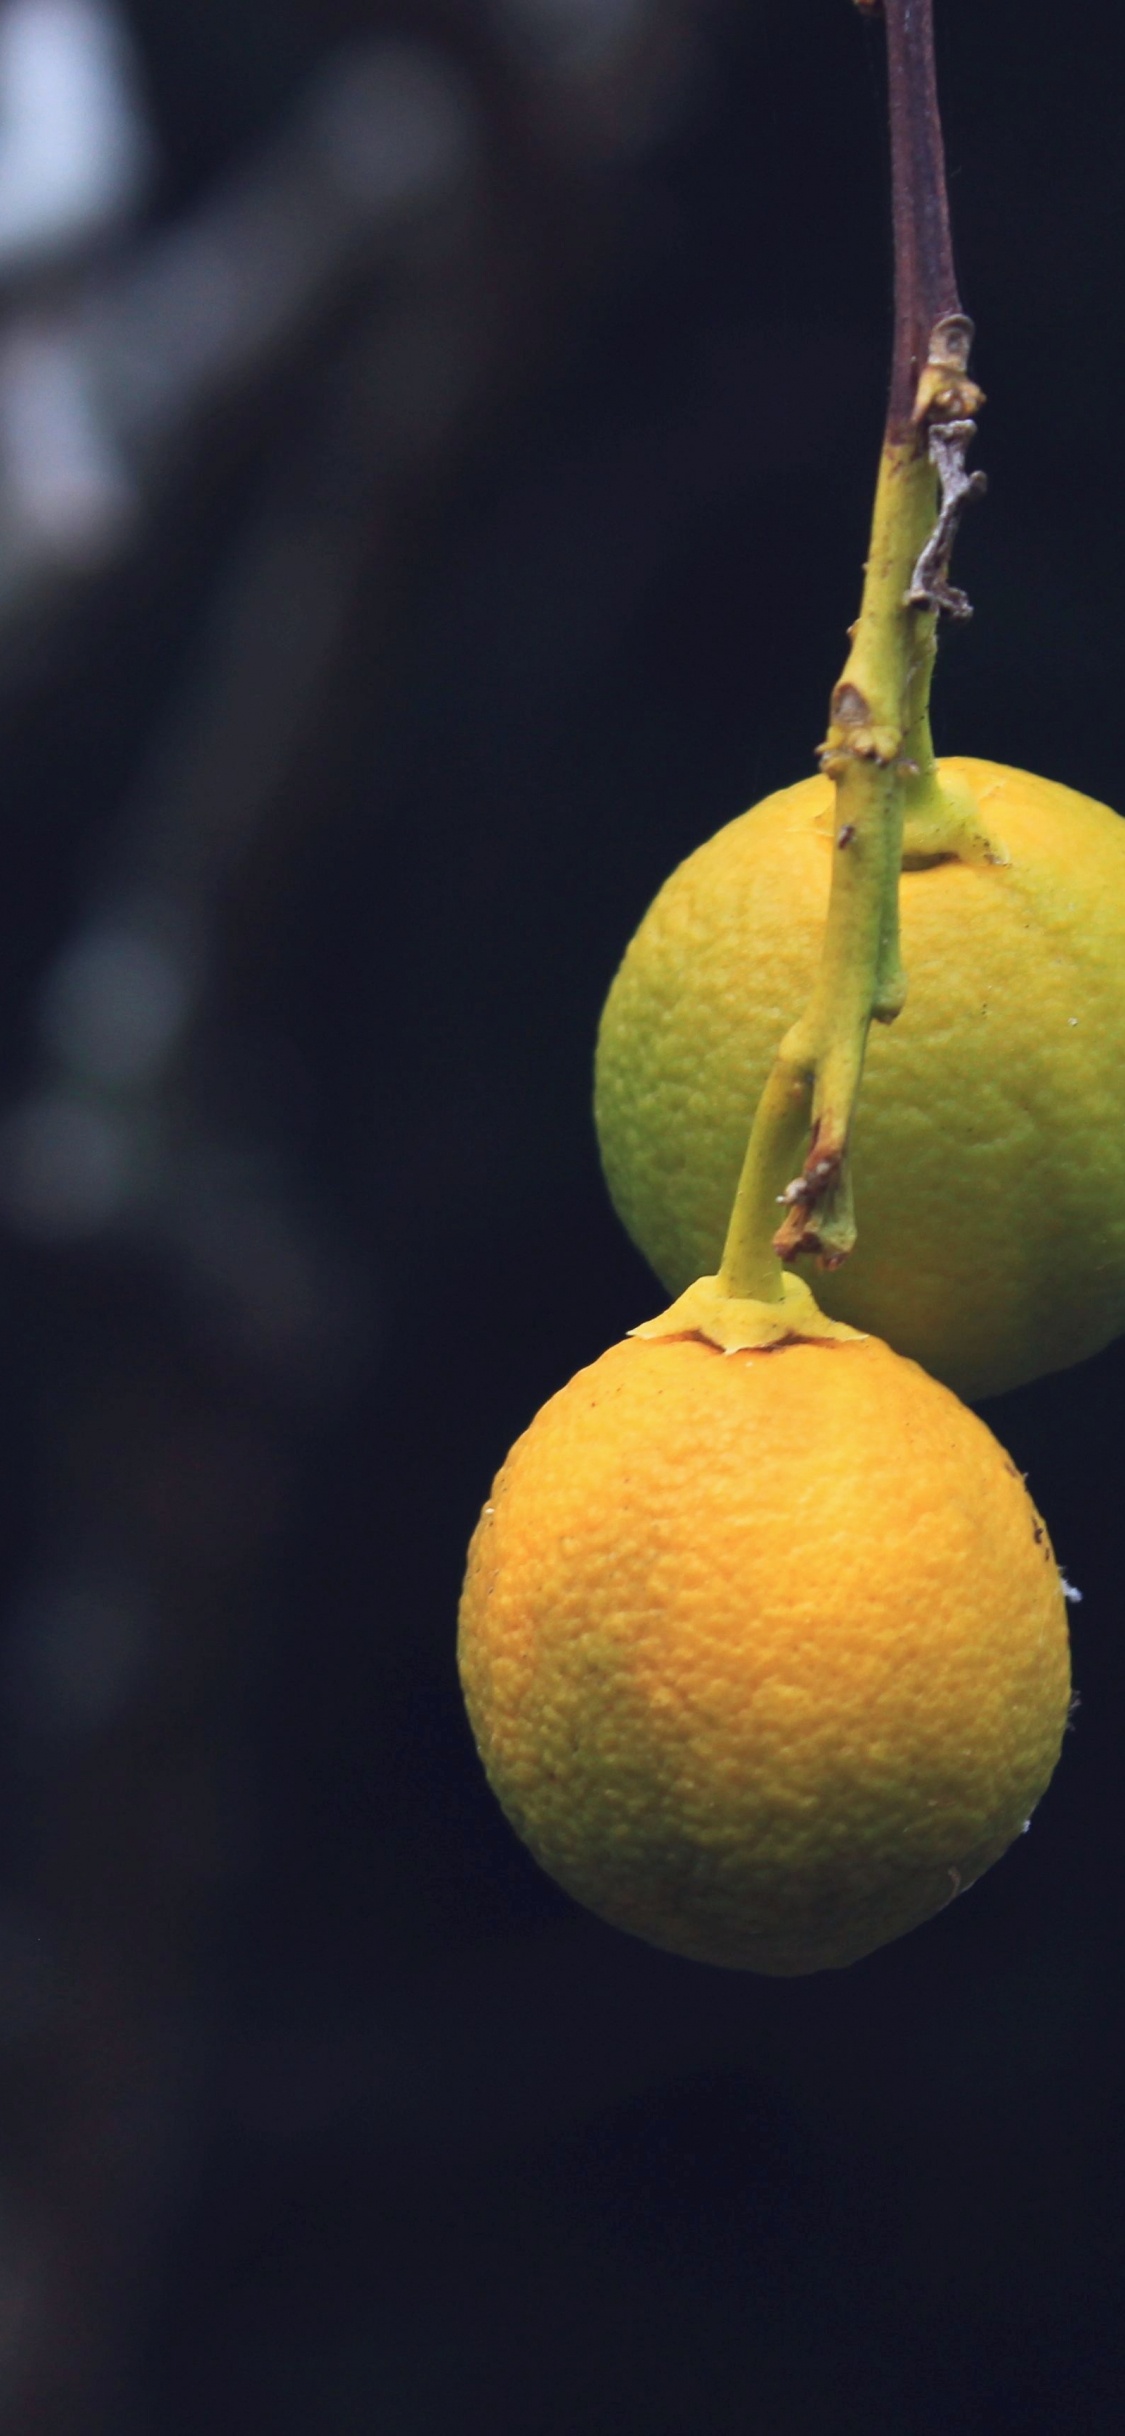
<point>989,1147</point>
<point>765,1653</point>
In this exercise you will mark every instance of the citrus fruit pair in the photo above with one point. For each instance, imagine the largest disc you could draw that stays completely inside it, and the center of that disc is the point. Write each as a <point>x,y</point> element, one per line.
<point>989,1148</point>
<point>765,1651</point>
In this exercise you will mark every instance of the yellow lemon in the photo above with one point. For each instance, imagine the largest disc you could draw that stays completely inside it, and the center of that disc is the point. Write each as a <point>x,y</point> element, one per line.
<point>989,1148</point>
<point>765,1652</point>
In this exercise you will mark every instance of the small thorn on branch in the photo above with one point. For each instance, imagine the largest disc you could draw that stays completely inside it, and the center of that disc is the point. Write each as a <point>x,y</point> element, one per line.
<point>930,587</point>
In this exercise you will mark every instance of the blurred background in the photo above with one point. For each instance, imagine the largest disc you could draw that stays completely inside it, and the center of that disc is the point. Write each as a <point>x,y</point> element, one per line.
<point>436,443</point>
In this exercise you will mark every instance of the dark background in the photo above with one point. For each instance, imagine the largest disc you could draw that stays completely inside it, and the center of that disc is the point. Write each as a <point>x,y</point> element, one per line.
<point>513,558</point>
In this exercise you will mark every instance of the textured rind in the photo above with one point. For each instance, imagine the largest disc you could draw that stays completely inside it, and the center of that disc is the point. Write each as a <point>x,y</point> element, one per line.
<point>765,1653</point>
<point>989,1145</point>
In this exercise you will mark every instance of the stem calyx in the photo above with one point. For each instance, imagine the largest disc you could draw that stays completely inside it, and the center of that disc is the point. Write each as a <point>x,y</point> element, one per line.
<point>744,1324</point>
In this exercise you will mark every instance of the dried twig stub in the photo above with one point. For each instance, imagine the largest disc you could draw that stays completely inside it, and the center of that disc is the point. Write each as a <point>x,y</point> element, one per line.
<point>930,587</point>
<point>818,1214</point>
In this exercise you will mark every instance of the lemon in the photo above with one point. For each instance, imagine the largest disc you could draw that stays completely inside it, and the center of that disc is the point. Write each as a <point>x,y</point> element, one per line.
<point>989,1147</point>
<point>765,1652</point>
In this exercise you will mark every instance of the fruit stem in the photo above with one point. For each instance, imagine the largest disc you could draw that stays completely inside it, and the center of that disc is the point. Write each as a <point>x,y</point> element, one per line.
<point>878,750</point>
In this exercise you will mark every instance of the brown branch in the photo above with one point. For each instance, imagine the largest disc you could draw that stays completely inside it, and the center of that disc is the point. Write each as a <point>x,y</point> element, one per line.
<point>925,282</point>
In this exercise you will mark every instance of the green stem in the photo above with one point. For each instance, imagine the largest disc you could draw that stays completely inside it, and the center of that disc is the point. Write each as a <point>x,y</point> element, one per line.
<point>817,1073</point>
<point>879,750</point>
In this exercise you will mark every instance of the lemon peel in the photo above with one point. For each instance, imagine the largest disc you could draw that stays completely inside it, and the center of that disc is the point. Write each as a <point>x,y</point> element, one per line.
<point>988,1151</point>
<point>765,1655</point>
